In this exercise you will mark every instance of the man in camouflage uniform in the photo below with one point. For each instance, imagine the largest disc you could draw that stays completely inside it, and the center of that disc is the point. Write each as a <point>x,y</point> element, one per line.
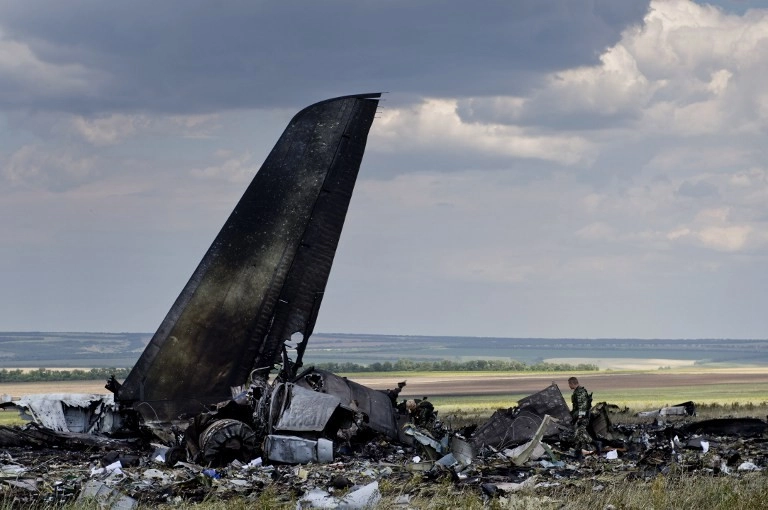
<point>581,402</point>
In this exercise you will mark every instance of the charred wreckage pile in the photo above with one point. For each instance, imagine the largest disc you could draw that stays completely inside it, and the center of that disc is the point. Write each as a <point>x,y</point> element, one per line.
<point>327,442</point>
<point>218,402</point>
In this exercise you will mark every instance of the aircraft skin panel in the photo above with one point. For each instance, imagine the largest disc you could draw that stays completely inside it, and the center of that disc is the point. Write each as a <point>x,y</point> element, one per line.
<point>263,277</point>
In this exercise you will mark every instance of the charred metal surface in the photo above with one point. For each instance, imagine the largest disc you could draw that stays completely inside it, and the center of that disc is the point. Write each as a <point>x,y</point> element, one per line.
<point>375,404</point>
<point>513,426</point>
<point>742,427</point>
<point>236,457</point>
<point>262,280</point>
<point>600,422</point>
<point>495,431</point>
<point>33,435</point>
<point>226,440</point>
<point>297,409</point>
<point>298,450</point>
<point>547,401</point>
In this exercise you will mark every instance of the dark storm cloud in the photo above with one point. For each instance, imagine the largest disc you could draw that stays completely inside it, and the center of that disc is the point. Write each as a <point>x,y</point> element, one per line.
<point>192,56</point>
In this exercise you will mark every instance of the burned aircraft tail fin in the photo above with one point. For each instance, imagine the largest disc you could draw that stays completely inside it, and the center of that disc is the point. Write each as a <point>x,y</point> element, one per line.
<point>262,280</point>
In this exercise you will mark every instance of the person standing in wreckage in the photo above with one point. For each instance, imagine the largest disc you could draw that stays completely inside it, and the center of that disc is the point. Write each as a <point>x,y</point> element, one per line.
<point>581,402</point>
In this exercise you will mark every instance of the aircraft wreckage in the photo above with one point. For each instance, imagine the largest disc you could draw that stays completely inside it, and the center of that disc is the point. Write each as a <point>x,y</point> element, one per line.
<point>250,307</point>
<point>222,377</point>
<point>222,382</point>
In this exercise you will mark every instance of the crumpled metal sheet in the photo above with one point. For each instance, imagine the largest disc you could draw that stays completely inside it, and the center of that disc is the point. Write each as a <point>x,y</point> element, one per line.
<point>548,401</point>
<point>71,412</point>
<point>375,404</point>
<point>263,278</point>
<point>298,450</point>
<point>297,409</point>
<point>509,427</point>
<point>105,497</point>
<point>505,428</point>
<point>743,427</point>
<point>641,451</point>
<point>367,496</point>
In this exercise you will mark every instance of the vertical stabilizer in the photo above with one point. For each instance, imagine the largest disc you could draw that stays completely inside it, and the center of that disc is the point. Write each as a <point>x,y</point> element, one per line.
<point>262,280</point>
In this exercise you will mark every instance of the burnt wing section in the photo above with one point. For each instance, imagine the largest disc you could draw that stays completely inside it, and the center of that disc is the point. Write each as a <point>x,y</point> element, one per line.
<point>262,280</point>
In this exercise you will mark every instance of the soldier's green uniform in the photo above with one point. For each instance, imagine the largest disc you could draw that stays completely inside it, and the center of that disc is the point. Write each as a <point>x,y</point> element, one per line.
<point>580,404</point>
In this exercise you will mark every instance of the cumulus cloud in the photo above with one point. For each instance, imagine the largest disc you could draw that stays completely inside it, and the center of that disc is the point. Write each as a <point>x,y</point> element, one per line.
<point>233,168</point>
<point>436,125</point>
<point>33,167</point>
<point>578,169</point>
<point>688,69</point>
<point>197,126</point>
<point>109,130</point>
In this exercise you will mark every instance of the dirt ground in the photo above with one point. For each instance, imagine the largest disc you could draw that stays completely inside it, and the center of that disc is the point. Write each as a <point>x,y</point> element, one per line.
<point>483,384</point>
<point>506,384</point>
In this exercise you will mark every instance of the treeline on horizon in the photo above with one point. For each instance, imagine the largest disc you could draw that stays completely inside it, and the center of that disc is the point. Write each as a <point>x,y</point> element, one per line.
<point>48,375</point>
<point>401,365</point>
<point>475,365</point>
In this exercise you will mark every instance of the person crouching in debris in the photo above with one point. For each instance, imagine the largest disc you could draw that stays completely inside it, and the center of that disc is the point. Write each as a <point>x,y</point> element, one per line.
<point>581,402</point>
<point>421,412</point>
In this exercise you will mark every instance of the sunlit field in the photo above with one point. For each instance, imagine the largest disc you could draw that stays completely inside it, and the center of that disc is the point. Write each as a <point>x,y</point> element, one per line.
<point>626,363</point>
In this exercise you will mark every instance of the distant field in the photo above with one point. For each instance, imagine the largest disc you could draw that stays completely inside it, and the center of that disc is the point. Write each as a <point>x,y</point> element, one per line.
<point>96,350</point>
<point>18,389</point>
<point>626,363</point>
<point>633,372</point>
<point>635,389</point>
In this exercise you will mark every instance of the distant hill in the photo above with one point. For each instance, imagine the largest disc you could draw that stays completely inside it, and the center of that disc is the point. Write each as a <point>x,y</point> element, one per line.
<point>71,350</point>
<point>87,350</point>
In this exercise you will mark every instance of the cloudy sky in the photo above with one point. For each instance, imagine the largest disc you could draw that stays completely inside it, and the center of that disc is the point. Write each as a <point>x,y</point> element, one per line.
<point>580,168</point>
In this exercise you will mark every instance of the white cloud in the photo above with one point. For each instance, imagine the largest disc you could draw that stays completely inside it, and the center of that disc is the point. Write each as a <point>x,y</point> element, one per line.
<point>197,126</point>
<point>435,125</point>
<point>597,230</point>
<point>111,129</point>
<point>714,229</point>
<point>615,87</point>
<point>605,198</point>
<point>234,168</point>
<point>115,128</point>
<point>33,166</point>
<point>731,238</point>
<point>688,70</point>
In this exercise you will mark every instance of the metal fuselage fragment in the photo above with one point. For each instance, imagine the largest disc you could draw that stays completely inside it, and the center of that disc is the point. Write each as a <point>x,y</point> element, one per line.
<point>262,280</point>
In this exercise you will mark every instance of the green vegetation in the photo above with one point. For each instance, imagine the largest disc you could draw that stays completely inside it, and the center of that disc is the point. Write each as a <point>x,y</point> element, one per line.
<point>47,375</point>
<point>401,365</point>
<point>738,397</point>
<point>477,365</point>
<point>674,490</point>
<point>9,418</point>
